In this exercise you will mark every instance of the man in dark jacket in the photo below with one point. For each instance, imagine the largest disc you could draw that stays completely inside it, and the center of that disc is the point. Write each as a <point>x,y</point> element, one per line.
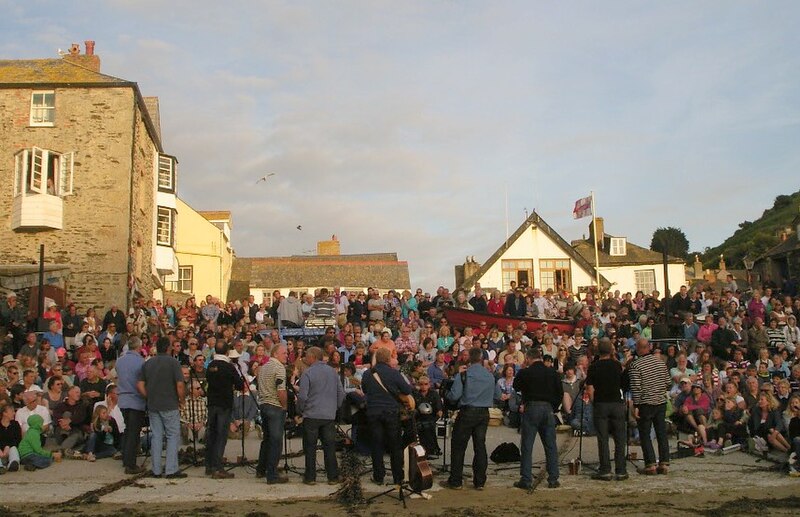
<point>115,316</point>
<point>222,378</point>
<point>515,304</point>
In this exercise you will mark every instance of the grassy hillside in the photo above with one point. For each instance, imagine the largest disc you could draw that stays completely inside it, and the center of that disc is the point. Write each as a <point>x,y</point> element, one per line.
<point>755,237</point>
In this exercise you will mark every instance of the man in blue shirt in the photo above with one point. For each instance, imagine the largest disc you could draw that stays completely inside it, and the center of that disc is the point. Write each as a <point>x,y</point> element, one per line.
<point>320,395</point>
<point>56,340</point>
<point>131,403</point>
<point>382,384</point>
<point>474,391</point>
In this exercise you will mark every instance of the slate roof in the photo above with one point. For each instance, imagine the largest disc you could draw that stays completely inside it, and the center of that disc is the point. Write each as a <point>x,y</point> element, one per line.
<point>53,72</point>
<point>634,255</point>
<point>788,246</point>
<point>381,270</point>
<point>535,220</point>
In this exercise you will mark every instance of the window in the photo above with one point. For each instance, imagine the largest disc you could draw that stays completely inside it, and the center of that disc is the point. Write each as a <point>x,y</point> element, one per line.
<point>555,274</point>
<point>645,280</point>
<point>41,171</point>
<point>166,173</point>
<point>185,274</point>
<point>519,271</point>
<point>266,297</point>
<point>165,227</point>
<point>617,247</point>
<point>43,108</point>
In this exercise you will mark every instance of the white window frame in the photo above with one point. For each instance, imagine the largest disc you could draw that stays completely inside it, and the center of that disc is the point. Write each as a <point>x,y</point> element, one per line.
<point>32,165</point>
<point>618,247</point>
<point>183,279</point>
<point>643,284</point>
<point>39,112</point>
<point>166,173</point>
<point>169,214</point>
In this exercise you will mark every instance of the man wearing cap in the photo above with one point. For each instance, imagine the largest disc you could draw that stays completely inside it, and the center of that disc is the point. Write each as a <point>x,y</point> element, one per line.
<point>222,378</point>
<point>604,385</point>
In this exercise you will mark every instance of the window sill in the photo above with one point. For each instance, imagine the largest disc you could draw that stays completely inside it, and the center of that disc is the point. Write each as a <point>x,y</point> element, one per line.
<point>41,125</point>
<point>33,212</point>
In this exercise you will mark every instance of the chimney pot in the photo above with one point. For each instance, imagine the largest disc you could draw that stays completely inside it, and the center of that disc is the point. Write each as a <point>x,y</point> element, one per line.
<point>89,47</point>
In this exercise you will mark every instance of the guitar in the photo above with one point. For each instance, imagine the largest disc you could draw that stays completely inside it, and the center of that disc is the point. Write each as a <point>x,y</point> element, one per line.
<point>420,476</point>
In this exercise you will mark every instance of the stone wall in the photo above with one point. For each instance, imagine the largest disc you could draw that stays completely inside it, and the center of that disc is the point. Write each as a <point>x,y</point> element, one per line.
<point>100,125</point>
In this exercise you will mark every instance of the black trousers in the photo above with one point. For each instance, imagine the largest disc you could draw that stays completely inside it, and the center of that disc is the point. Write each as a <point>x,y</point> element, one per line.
<point>427,437</point>
<point>385,429</point>
<point>470,423</point>
<point>609,418</point>
<point>134,421</point>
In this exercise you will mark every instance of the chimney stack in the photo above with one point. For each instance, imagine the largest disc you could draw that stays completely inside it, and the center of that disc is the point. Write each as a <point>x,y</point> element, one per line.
<point>600,232</point>
<point>89,60</point>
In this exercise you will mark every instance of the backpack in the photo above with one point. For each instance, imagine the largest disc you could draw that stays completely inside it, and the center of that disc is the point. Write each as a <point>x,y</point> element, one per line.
<point>506,452</point>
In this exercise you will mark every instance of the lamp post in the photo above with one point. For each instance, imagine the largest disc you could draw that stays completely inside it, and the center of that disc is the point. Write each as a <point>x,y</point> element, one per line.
<point>748,265</point>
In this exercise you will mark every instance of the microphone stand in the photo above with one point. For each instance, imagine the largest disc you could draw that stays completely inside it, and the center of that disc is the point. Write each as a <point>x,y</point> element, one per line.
<point>242,461</point>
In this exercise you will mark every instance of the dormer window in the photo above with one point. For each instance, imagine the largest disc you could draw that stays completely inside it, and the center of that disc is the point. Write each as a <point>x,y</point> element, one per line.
<point>617,248</point>
<point>43,108</point>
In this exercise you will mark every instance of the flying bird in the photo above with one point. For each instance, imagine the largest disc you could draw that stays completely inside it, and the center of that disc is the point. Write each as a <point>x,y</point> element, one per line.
<point>264,178</point>
<point>299,227</point>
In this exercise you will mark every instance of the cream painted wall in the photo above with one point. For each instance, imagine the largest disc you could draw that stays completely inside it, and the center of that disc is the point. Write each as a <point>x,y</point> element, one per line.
<point>534,245</point>
<point>203,246</point>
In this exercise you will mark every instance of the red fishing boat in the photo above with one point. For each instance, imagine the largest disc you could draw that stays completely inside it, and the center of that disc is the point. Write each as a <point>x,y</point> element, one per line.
<point>461,318</point>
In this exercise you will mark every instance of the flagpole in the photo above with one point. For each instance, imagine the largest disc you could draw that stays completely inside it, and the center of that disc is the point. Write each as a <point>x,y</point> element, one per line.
<point>506,216</point>
<point>596,253</point>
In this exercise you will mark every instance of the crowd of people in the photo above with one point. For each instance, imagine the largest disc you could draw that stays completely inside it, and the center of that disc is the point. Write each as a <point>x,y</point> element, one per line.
<point>720,364</point>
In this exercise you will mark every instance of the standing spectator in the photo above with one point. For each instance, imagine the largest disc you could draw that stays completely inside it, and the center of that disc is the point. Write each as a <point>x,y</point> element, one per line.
<point>131,402</point>
<point>649,381</point>
<point>541,395</point>
<point>318,399</point>
<point>222,378</point>
<point>474,391</point>
<point>272,403</point>
<point>604,384</point>
<point>115,316</point>
<point>290,313</point>
<point>72,322</point>
<point>13,318</point>
<point>162,385</point>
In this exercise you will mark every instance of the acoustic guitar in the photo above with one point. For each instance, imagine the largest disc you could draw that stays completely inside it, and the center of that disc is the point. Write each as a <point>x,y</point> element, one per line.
<point>420,476</point>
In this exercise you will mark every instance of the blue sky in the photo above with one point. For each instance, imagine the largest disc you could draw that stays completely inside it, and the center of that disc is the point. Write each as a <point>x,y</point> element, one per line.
<point>398,126</point>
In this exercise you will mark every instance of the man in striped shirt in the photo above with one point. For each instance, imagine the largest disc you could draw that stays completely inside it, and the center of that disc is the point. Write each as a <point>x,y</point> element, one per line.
<point>649,381</point>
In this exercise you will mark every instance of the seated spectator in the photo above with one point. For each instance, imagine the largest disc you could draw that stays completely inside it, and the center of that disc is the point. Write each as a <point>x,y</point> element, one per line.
<point>506,398</point>
<point>10,436</point>
<point>33,406</point>
<point>767,424</point>
<point>791,419</point>
<point>31,453</point>
<point>571,386</point>
<point>582,415</point>
<point>194,414</point>
<point>73,419</point>
<point>103,436</point>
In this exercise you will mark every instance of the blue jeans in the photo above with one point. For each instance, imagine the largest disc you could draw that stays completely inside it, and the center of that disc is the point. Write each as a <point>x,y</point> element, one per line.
<point>538,419</point>
<point>216,436</point>
<point>325,431</point>
<point>165,423</point>
<point>273,423</point>
<point>653,416</point>
<point>38,461</point>
<point>470,423</point>
<point>99,449</point>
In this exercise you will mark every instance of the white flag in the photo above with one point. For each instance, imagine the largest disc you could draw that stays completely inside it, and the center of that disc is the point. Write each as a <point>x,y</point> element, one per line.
<point>583,208</point>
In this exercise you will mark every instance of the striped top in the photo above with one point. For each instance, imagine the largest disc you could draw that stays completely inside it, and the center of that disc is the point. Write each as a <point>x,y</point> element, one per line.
<point>649,380</point>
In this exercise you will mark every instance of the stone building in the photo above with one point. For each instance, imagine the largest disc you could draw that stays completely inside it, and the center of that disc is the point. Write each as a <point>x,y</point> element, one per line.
<point>83,171</point>
<point>262,276</point>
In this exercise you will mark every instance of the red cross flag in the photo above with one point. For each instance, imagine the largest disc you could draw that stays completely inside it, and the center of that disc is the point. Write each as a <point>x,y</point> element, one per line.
<point>583,208</point>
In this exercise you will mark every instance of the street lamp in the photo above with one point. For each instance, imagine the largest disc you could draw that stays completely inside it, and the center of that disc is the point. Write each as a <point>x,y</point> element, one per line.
<point>748,265</point>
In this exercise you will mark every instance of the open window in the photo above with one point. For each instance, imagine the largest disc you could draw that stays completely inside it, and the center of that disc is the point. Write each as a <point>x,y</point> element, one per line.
<point>42,171</point>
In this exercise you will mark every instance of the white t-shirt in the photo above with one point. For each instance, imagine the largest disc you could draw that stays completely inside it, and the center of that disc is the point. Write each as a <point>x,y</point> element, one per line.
<point>23,414</point>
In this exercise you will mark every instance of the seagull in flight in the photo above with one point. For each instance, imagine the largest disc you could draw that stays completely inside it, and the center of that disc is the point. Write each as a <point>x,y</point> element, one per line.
<point>300,227</point>
<point>264,178</point>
